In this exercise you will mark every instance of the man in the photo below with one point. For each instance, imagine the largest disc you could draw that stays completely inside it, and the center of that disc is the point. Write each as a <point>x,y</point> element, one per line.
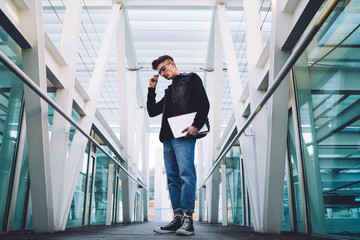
<point>186,94</point>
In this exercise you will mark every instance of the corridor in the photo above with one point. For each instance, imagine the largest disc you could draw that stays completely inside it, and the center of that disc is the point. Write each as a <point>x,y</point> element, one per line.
<point>203,230</point>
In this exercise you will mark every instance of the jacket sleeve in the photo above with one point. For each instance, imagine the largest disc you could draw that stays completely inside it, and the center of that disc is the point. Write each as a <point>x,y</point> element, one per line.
<point>201,101</point>
<point>154,108</point>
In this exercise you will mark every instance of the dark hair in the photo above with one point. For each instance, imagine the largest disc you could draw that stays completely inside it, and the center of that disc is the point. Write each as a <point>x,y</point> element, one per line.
<point>159,60</point>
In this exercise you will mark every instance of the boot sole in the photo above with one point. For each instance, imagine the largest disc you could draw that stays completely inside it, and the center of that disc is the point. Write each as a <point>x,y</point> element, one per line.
<point>184,232</point>
<point>163,231</point>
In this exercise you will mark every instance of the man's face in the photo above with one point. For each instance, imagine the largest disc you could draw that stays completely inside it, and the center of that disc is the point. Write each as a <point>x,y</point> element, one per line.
<point>167,69</point>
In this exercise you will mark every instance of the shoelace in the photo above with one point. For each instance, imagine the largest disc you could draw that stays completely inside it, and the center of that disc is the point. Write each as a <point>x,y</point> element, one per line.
<point>187,222</point>
<point>173,222</point>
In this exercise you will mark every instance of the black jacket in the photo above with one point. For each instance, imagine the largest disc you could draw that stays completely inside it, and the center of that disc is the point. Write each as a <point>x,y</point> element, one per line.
<point>186,94</point>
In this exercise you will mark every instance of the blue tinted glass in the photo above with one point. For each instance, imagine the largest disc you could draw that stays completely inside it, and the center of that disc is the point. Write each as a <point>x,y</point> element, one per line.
<point>328,101</point>
<point>11,101</point>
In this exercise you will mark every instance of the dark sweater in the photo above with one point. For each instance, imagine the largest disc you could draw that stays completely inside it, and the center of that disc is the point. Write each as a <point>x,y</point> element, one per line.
<point>166,106</point>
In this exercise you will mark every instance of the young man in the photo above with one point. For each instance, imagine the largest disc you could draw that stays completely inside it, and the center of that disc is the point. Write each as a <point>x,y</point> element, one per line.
<point>186,94</point>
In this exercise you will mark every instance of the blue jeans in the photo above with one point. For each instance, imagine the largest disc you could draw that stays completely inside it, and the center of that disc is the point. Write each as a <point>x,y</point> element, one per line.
<point>181,174</point>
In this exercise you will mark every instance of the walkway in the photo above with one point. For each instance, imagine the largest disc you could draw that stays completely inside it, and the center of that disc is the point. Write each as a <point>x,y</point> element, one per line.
<point>145,231</point>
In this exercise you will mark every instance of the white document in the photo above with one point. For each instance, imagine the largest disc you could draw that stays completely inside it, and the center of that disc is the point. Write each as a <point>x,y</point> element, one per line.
<point>180,122</point>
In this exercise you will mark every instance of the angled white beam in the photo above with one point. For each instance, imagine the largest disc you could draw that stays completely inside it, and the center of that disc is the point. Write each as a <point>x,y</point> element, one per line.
<point>231,62</point>
<point>79,142</point>
<point>64,98</point>
<point>276,120</point>
<point>37,120</point>
<point>132,58</point>
<point>254,142</point>
<point>17,171</point>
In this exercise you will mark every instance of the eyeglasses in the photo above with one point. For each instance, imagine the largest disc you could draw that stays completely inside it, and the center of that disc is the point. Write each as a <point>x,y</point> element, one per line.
<point>163,68</point>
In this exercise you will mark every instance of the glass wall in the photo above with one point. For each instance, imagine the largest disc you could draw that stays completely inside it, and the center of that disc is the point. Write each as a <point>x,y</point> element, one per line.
<point>22,199</point>
<point>11,103</point>
<point>294,175</point>
<point>77,208</point>
<point>328,105</point>
<point>234,186</point>
<point>99,199</point>
<point>118,197</point>
<point>285,214</point>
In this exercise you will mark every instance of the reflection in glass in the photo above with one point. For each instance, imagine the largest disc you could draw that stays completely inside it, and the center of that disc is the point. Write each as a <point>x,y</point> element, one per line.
<point>77,208</point>
<point>22,193</point>
<point>328,102</point>
<point>294,174</point>
<point>11,99</point>
<point>285,214</point>
<point>234,184</point>
<point>118,197</point>
<point>99,200</point>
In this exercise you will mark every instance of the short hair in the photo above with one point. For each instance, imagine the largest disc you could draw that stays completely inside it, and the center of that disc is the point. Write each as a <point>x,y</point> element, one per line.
<point>159,60</point>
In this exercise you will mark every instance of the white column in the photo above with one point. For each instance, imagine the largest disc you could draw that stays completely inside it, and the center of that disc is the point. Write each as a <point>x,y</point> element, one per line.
<point>276,120</point>
<point>201,212</point>
<point>140,118</point>
<point>64,98</point>
<point>126,126</point>
<point>37,120</point>
<point>109,202</point>
<point>145,164</point>
<point>214,91</point>
<point>252,144</point>
<point>224,195</point>
<point>79,142</point>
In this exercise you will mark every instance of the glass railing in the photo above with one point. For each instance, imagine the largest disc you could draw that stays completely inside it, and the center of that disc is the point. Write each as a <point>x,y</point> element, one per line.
<point>11,107</point>
<point>328,107</point>
<point>340,118</point>
<point>90,200</point>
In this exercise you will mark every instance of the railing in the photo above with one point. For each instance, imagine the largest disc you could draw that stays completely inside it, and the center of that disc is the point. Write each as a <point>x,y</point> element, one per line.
<point>299,49</point>
<point>23,77</point>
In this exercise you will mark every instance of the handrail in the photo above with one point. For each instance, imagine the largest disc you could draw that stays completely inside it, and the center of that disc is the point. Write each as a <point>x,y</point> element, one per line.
<point>299,49</point>
<point>23,77</point>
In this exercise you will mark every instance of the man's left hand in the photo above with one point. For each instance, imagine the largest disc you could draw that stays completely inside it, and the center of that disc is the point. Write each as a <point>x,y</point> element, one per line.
<point>190,131</point>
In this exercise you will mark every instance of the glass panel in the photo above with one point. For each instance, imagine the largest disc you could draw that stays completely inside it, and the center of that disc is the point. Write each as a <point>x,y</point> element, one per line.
<point>90,184</point>
<point>11,99</point>
<point>137,203</point>
<point>99,200</point>
<point>220,195</point>
<point>285,215</point>
<point>22,193</point>
<point>205,217</point>
<point>328,101</point>
<point>77,208</point>
<point>119,203</point>
<point>234,191</point>
<point>294,173</point>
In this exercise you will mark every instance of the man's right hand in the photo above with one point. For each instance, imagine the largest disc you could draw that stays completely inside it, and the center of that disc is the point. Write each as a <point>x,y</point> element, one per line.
<point>153,81</point>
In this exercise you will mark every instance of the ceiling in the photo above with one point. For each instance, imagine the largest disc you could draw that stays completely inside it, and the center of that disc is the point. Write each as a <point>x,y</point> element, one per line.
<point>177,28</point>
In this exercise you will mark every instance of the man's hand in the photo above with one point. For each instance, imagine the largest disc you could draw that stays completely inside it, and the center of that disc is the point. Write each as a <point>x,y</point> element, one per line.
<point>190,131</point>
<point>153,81</point>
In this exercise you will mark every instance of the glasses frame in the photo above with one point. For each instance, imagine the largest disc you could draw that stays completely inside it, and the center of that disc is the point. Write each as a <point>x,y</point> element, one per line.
<point>163,68</point>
